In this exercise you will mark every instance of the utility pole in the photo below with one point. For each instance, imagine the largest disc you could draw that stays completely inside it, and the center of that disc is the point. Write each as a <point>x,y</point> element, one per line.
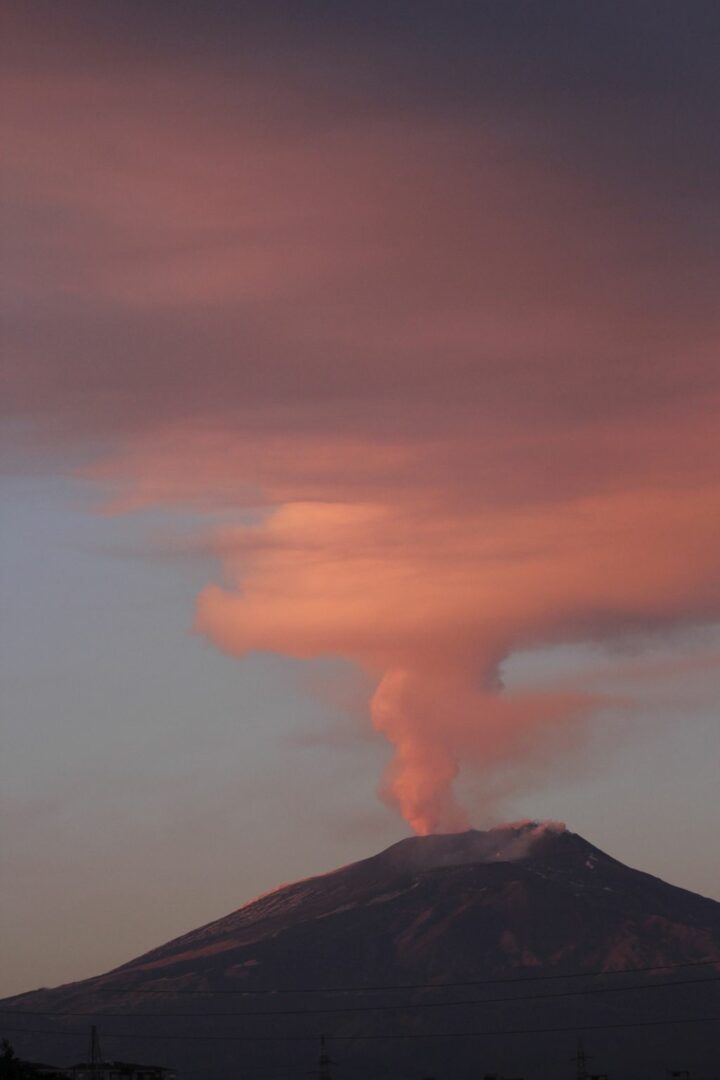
<point>324,1061</point>
<point>95,1052</point>
<point>581,1059</point>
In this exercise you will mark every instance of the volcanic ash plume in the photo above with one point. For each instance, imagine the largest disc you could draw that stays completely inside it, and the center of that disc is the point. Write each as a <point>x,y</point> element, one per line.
<point>420,777</point>
<point>430,613</point>
<point>439,720</point>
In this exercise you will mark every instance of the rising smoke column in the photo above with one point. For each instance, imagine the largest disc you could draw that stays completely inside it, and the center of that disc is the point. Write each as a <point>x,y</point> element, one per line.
<point>440,721</point>
<point>431,611</point>
<point>419,780</point>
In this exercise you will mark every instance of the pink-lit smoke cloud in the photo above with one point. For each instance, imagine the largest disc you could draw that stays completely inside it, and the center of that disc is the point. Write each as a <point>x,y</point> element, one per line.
<point>463,366</point>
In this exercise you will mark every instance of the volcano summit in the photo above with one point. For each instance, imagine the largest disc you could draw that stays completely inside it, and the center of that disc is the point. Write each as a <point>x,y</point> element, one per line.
<point>453,955</point>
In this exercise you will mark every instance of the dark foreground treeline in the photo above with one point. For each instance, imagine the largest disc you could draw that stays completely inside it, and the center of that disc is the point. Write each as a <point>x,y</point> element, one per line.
<point>12,1068</point>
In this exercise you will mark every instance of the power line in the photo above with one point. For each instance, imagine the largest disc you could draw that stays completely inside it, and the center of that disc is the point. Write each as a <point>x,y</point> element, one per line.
<point>369,1038</point>
<point>406,986</point>
<point>374,1008</point>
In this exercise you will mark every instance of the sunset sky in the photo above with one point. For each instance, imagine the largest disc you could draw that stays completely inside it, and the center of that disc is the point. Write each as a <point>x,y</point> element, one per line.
<point>362,395</point>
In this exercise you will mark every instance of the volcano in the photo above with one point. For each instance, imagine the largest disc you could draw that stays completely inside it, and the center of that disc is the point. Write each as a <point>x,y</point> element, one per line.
<point>454,956</point>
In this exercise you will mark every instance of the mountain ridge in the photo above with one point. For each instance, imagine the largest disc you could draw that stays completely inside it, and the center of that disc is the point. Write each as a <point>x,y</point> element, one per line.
<point>398,867</point>
<point>526,899</point>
